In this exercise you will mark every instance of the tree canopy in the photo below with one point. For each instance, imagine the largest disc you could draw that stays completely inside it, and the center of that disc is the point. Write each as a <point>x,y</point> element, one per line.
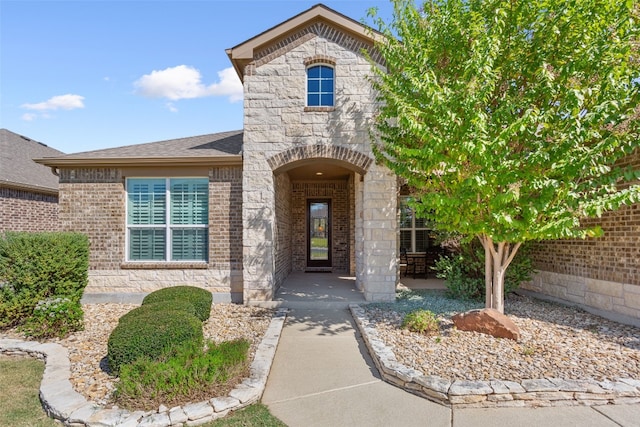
<point>510,119</point>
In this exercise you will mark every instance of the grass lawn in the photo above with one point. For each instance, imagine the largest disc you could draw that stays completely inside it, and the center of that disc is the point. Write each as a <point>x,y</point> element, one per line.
<point>20,380</point>
<point>251,416</point>
<point>19,383</point>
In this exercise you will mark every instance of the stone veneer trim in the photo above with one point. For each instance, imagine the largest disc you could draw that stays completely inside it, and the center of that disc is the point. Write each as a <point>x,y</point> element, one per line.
<point>495,393</point>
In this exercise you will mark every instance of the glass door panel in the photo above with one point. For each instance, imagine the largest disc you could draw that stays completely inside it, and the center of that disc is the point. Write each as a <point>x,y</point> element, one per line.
<point>319,233</point>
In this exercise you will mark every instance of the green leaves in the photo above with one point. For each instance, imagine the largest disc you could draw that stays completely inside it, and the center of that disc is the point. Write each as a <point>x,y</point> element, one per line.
<point>508,117</point>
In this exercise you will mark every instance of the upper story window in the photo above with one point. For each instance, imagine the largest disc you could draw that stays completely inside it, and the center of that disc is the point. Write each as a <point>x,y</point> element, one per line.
<point>320,86</point>
<point>414,232</point>
<point>167,219</point>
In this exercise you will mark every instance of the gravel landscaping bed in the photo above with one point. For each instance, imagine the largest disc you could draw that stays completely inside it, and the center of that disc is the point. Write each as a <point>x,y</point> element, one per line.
<point>88,348</point>
<point>557,342</point>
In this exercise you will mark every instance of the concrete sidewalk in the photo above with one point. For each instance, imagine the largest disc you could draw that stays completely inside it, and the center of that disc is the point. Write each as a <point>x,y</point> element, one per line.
<point>322,375</point>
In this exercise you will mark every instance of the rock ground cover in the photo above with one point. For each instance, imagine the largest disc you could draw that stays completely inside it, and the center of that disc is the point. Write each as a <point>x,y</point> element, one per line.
<point>556,342</point>
<point>88,348</point>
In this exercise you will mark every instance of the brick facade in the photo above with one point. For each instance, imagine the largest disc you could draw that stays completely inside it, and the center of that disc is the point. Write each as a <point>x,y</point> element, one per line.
<point>22,210</point>
<point>283,233</point>
<point>93,201</point>
<point>338,193</point>
<point>603,272</point>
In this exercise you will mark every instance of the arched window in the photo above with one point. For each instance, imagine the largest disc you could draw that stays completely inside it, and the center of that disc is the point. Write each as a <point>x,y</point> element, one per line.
<point>320,86</point>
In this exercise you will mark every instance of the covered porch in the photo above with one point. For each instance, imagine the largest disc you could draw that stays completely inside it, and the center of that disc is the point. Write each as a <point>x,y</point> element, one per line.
<point>332,290</point>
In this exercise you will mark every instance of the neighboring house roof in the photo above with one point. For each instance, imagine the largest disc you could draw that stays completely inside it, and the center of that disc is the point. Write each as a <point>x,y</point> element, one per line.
<point>223,148</point>
<point>244,53</point>
<point>17,168</point>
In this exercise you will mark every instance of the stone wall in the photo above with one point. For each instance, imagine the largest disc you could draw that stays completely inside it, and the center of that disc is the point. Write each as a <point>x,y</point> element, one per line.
<point>93,201</point>
<point>27,211</point>
<point>279,128</point>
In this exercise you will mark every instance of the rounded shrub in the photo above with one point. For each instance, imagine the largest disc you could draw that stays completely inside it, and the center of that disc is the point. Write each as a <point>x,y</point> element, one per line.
<point>160,307</point>
<point>200,298</point>
<point>151,335</point>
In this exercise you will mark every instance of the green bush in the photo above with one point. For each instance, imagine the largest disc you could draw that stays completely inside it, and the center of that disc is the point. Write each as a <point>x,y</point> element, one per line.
<point>54,317</point>
<point>186,371</point>
<point>422,321</point>
<point>159,307</point>
<point>200,298</point>
<point>151,335</point>
<point>38,266</point>
<point>463,272</point>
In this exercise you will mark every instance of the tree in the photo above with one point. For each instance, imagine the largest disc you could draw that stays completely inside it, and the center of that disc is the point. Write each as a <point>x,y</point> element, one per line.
<point>510,118</point>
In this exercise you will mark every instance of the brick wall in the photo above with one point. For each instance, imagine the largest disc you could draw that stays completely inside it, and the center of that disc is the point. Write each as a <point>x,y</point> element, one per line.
<point>283,251</point>
<point>601,272</point>
<point>225,223</point>
<point>27,211</point>
<point>92,201</point>
<point>338,192</point>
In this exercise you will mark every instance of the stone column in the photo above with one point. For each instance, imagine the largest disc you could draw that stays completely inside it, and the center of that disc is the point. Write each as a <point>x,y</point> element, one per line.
<point>258,219</point>
<point>379,225</point>
<point>359,231</point>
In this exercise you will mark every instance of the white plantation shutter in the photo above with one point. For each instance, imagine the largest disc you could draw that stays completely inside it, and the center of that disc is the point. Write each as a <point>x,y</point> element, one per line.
<point>151,203</point>
<point>147,201</point>
<point>189,201</point>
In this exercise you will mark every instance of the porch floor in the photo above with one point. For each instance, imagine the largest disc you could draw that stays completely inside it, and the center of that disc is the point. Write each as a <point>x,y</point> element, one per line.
<point>331,290</point>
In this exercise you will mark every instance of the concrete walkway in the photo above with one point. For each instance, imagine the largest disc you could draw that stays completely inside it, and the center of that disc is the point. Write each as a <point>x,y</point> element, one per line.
<point>322,375</point>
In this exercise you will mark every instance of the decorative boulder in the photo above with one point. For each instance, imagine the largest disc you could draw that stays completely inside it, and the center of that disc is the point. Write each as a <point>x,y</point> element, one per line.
<point>487,321</point>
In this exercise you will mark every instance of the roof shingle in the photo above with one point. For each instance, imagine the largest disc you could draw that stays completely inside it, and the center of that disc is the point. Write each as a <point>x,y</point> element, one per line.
<point>17,167</point>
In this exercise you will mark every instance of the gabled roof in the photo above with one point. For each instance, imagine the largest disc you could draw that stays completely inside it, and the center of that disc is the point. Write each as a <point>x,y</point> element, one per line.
<point>223,148</point>
<point>17,168</point>
<point>245,52</point>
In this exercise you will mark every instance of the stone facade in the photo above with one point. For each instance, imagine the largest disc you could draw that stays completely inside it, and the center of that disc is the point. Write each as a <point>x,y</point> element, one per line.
<point>601,273</point>
<point>282,133</point>
<point>93,202</point>
<point>22,210</point>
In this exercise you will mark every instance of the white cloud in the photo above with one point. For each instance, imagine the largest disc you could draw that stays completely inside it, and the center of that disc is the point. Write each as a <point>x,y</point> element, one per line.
<point>184,82</point>
<point>29,117</point>
<point>60,102</point>
<point>171,107</point>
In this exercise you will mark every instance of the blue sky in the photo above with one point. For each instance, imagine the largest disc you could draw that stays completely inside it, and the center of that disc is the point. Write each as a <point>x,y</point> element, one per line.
<point>84,75</point>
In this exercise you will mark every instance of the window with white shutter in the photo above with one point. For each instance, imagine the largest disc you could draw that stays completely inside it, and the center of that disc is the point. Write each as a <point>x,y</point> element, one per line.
<point>167,219</point>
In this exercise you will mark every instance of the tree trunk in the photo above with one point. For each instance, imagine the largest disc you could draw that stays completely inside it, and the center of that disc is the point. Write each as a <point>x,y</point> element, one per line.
<point>498,256</point>
<point>488,276</point>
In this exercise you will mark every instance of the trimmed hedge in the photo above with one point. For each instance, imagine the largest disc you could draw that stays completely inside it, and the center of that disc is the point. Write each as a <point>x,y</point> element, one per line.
<point>200,298</point>
<point>38,266</point>
<point>159,307</point>
<point>151,335</point>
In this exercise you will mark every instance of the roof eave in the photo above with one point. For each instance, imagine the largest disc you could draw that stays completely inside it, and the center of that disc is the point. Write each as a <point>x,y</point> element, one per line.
<point>234,160</point>
<point>29,187</point>
<point>243,53</point>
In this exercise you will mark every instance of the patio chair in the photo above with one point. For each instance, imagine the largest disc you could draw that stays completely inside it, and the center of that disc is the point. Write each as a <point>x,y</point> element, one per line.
<point>407,263</point>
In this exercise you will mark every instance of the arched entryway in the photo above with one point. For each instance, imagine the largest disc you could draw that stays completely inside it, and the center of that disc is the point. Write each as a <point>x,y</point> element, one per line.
<point>360,209</point>
<point>315,217</point>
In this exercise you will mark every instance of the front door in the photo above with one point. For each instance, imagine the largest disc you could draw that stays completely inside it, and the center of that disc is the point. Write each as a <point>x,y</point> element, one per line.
<point>319,233</point>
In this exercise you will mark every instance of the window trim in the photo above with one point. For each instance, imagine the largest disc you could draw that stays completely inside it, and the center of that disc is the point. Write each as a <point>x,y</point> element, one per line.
<point>320,107</point>
<point>403,201</point>
<point>167,226</point>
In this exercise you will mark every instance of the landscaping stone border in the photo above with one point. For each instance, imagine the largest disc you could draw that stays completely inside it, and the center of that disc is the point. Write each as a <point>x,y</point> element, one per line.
<point>494,393</point>
<point>62,402</point>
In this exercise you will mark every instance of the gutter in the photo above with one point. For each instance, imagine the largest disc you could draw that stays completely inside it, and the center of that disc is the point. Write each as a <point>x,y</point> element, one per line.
<point>56,162</point>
